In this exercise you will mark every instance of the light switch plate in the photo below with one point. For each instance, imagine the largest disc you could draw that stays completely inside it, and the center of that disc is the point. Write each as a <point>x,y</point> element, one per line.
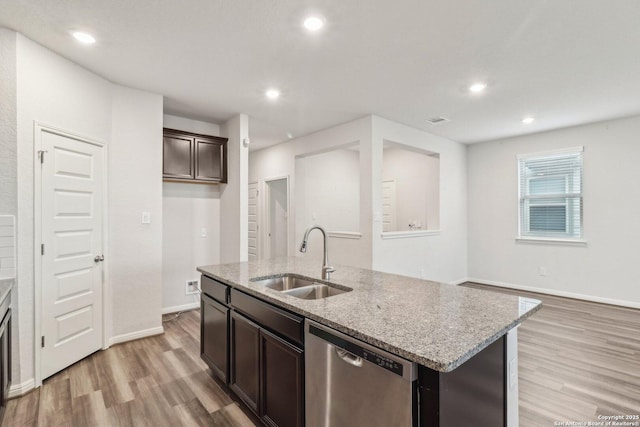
<point>146,217</point>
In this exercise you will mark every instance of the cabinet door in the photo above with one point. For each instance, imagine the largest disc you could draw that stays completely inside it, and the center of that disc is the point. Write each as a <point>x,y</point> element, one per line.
<point>5,362</point>
<point>210,160</point>
<point>282,372</point>
<point>177,158</point>
<point>245,360</point>
<point>214,336</point>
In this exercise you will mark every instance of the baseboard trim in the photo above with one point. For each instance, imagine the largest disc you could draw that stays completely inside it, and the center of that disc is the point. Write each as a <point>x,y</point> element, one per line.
<point>18,390</point>
<point>458,282</point>
<point>591,298</point>
<point>183,307</point>
<point>136,335</point>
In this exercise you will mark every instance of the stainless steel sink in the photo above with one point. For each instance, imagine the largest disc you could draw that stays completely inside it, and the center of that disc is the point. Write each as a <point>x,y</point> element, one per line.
<point>301,287</point>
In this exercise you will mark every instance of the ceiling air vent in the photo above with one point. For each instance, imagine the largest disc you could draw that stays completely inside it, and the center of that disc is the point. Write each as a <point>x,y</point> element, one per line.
<point>437,120</point>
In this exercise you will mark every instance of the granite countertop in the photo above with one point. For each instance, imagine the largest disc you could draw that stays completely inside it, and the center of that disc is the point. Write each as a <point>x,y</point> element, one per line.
<point>5,289</point>
<point>436,325</point>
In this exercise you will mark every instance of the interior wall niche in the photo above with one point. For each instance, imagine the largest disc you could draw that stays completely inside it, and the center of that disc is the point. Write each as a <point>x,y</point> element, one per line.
<point>410,189</point>
<point>328,189</point>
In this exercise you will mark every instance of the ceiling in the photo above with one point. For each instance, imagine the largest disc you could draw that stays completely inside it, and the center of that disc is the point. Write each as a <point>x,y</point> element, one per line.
<point>566,62</point>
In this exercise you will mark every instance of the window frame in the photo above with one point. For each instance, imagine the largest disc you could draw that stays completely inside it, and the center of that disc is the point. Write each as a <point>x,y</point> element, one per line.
<point>573,233</point>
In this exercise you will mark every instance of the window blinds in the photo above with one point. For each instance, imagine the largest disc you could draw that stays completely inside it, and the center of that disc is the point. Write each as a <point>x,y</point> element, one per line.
<point>550,188</point>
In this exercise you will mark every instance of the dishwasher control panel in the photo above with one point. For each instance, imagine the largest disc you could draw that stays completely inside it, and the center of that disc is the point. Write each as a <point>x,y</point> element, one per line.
<point>359,351</point>
<point>383,362</point>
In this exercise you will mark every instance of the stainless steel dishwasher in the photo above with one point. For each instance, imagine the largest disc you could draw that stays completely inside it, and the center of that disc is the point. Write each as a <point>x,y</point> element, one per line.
<point>350,383</point>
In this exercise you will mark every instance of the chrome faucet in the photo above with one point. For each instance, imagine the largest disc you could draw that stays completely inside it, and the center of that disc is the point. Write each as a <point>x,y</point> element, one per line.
<point>326,268</point>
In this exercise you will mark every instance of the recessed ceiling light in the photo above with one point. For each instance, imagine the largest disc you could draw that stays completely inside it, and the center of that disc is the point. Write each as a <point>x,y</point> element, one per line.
<point>437,119</point>
<point>477,87</point>
<point>313,23</point>
<point>272,93</point>
<point>528,120</point>
<point>84,38</point>
<point>289,135</point>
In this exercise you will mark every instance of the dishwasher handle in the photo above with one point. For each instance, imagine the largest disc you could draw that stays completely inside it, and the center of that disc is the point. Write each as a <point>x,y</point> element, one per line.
<point>349,358</point>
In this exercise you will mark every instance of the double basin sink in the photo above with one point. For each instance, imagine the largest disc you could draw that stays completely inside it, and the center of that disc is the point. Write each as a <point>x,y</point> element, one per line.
<point>301,287</point>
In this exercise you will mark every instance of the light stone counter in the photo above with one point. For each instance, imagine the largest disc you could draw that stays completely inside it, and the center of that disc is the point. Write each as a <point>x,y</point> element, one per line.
<point>436,325</point>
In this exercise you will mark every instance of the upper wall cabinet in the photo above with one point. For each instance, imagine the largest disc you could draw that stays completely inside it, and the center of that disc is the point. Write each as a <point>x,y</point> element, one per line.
<point>192,157</point>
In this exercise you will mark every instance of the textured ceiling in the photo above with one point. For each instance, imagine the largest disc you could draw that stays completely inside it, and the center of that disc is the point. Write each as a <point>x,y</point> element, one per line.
<point>566,62</point>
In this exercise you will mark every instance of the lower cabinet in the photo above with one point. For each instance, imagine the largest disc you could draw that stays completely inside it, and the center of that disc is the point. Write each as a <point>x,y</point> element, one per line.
<point>282,385</point>
<point>5,360</point>
<point>245,360</point>
<point>214,335</point>
<point>267,373</point>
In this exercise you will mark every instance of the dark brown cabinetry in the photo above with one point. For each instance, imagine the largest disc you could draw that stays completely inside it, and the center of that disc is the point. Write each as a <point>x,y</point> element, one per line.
<point>193,157</point>
<point>470,395</point>
<point>266,368</point>
<point>245,360</point>
<point>282,385</point>
<point>214,345</point>
<point>214,327</point>
<point>5,359</point>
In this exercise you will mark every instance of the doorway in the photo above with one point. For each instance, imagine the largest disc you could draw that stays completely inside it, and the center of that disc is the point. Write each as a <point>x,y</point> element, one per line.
<point>70,225</point>
<point>276,218</point>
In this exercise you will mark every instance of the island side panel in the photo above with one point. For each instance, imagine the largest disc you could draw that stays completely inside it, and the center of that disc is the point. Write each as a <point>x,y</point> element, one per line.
<point>472,394</point>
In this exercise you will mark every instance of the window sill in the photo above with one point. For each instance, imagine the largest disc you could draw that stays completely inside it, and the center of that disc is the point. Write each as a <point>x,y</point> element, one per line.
<point>409,233</point>
<point>551,241</point>
<point>344,234</point>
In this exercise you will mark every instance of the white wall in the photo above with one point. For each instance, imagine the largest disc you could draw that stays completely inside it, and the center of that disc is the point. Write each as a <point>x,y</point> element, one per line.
<point>280,160</point>
<point>606,268</point>
<point>189,125</point>
<point>8,118</point>
<point>9,162</point>
<point>187,209</point>
<point>328,189</point>
<point>439,257</point>
<point>417,178</point>
<point>234,199</point>
<point>57,92</point>
<point>135,185</point>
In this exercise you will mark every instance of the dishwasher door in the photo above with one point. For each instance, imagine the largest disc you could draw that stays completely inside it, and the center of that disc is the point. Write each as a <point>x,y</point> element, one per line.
<point>350,383</point>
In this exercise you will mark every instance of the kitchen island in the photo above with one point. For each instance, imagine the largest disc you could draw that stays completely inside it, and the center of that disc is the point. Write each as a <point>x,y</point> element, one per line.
<point>462,340</point>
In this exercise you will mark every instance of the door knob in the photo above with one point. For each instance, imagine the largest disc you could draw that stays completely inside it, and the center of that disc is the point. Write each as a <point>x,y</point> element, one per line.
<point>99,258</point>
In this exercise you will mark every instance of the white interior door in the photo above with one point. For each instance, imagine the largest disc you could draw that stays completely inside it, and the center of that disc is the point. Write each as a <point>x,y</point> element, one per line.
<point>254,251</point>
<point>71,215</point>
<point>278,217</point>
<point>389,206</point>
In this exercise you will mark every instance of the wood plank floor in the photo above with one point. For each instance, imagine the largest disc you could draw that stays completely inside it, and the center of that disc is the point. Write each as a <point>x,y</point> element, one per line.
<point>577,360</point>
<point>155,381</point>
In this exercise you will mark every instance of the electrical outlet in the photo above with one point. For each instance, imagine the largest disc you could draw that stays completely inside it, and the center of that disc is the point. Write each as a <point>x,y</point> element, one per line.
<point>542,271</point>
<point>192,287</point>
<point>203,232</point>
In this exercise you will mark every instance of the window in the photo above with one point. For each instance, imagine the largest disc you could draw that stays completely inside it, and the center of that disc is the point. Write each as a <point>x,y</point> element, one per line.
<point>550,187</point>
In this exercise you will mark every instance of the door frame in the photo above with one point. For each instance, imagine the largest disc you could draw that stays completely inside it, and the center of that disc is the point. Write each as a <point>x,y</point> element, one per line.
<point>258,184</point>
<point>38,129</point>
<point>265,221</point>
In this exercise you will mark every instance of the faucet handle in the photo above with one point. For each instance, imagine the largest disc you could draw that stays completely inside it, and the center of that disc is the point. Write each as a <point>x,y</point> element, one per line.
<point>326,270</point>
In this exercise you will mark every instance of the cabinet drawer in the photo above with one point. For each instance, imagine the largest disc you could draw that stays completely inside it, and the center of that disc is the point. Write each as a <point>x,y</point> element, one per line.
<point>279,321</point>
<point>215,289</point>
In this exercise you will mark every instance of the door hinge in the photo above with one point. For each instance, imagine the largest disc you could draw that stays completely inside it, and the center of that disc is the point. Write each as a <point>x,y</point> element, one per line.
<point>42,341</point>
<point>42,249</point>
<point>41,155</point>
